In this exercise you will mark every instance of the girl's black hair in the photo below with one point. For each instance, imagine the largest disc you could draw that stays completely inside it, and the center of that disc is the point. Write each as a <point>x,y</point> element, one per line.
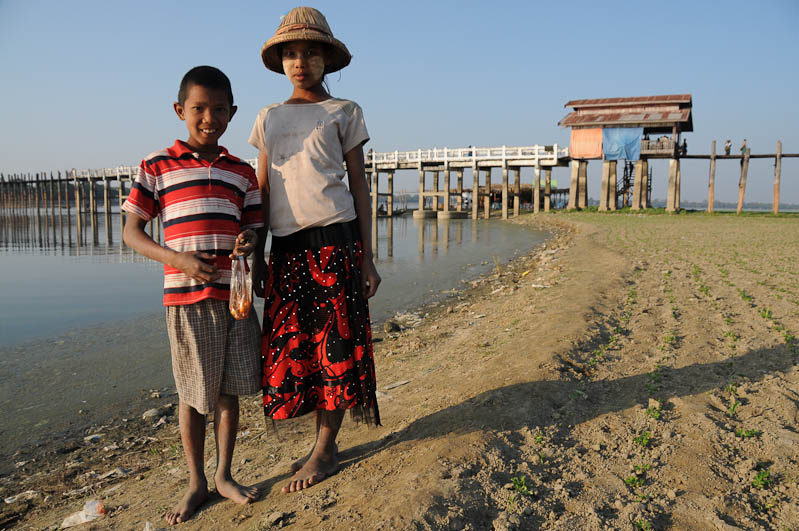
<point>208,77</point>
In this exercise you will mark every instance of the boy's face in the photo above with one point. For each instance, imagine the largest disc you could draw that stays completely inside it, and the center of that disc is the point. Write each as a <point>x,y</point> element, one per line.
<point>304,63</point>
<point>206,112</point>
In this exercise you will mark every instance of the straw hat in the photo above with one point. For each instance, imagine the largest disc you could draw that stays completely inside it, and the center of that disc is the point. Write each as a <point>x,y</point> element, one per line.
<point>304,24</point>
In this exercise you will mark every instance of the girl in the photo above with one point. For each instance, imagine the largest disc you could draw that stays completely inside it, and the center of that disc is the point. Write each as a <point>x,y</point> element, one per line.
<point>317,342</point>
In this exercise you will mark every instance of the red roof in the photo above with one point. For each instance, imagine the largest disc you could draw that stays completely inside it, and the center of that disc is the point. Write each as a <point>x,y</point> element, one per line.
<point>637,100</point>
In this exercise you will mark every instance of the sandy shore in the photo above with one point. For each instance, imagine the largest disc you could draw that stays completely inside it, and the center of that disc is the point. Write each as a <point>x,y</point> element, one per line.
<point>637,372</point>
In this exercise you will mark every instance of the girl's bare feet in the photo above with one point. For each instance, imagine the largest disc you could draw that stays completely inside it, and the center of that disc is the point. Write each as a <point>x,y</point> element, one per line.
<point>315,469</point>
<point>228,488</point>
<point>296,465</point>
<point>187,506</point>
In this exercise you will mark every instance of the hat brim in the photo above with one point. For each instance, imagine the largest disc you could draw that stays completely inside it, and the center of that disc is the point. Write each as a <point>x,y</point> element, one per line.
<point>339,55</point>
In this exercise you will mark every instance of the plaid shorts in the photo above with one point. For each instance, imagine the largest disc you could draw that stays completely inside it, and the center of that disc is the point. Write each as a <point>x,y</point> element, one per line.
<point>213,353</point>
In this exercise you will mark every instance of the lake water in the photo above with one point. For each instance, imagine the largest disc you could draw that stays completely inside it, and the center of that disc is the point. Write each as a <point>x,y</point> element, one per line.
<point>82,327</point>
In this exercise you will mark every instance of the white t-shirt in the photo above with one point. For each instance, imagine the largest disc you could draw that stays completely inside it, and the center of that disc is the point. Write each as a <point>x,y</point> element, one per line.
<point>305,144</point>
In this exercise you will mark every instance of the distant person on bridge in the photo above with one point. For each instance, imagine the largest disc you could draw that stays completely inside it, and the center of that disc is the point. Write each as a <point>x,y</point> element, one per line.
<point>317,341</point>
<point>684,148</point>
<point>727,147</point>
<point>744,149</point>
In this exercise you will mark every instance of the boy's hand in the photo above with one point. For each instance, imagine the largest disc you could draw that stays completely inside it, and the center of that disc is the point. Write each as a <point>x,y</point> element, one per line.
<point>369,278</point>
<point>197,265</point>
<point>259,277</point>
<point>245,243</point>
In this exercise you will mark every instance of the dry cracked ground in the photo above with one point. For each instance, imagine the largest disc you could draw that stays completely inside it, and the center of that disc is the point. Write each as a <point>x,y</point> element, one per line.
<point>635,372</point>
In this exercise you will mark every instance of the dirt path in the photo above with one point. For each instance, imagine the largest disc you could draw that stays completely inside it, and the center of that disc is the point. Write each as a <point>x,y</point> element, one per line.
<point>637,373</point>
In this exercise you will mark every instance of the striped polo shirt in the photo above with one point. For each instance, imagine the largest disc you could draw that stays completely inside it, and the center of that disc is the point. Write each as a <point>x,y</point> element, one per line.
<point>203,206</point>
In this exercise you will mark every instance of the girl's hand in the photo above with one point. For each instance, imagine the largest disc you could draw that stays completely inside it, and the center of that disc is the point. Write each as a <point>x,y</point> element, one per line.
<point>245,243</point>
<point>370,280</point>
<point>259,277</point>
<point>197,265</point>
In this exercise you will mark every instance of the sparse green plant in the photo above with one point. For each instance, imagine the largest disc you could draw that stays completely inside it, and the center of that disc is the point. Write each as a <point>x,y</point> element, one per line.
<point>762,479</point>
<point>152,450</point>
<point>651,388</point>
<point>653,412</point>
<point>643,439</point>
<point>733,408</point>
<point>635,481</point>
<point>745,296</point>
<point>640,469</point>
<point>704,289</point>
<point>723,272</point>
<point>732,335</point>
<point>520,485</point>
<point>765,313</point>
<point>669,339</point>
<point>539,438</point>
<point>541,457</point>
<point>728,320</point>
<point>746,434</point>
<point>643,525</point>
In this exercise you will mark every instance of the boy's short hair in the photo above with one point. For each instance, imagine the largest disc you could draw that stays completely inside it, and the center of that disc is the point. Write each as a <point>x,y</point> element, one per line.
<point>205,76</point>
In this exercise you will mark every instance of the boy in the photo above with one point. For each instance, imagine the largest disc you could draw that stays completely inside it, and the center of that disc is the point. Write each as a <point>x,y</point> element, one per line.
<point>209,203</point>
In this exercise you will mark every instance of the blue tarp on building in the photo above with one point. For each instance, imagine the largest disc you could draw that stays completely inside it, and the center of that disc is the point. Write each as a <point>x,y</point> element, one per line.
<point>622,143</point>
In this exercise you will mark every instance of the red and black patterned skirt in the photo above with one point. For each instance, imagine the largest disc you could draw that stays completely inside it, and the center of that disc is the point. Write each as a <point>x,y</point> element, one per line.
<point>317,340</point>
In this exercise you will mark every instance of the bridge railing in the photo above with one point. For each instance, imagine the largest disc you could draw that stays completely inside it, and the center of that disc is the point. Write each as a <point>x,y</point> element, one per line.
<point>467,154</point>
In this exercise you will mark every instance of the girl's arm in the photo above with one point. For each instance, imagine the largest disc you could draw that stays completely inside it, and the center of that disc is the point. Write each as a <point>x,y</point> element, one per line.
<point>363,208</point>
<point>259,261</point>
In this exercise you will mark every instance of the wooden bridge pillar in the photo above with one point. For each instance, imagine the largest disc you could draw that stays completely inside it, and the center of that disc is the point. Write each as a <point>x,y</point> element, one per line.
<point>517,190</point>
<point>645,184</point>
<point>547,188</point>
<point>638,183</point>
<point>375,185</point>
<point>742,181</point>
<point>505,195</point>
<point>435,191</point>
<point>475,189</point>
<point>537,189</point>
<point>421,186</point>
<point>447,183</point>
<point>671,194</point>
<point>390,198</point>
<point>711,180</point>
<point>679,187</point>
<point>487,196</point>
<point>459,200</point>
<point>775,207</point>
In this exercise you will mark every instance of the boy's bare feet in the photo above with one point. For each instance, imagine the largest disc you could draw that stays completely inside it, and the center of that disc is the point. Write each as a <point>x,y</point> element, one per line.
<point>187,506</point>
<point>315,469</point>
<point>228,488</point>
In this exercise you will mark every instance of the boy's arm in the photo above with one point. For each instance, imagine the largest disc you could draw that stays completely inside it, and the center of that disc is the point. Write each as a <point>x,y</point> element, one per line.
<point>259,260</point>
<point>360,195</point>
<point>191,263</point>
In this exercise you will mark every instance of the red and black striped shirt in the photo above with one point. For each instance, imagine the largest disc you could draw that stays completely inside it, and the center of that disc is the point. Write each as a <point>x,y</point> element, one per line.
<point>203,206</point>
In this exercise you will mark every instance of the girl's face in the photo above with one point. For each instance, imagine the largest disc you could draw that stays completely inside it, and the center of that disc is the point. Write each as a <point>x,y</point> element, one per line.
<point>304,63</point>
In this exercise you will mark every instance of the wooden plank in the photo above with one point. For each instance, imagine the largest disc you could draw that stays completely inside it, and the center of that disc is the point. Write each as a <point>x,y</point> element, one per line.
<point>742,182</point>
<point>777,170</point>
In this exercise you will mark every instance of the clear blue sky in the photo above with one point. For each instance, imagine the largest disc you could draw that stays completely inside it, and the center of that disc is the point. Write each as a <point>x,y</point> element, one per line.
<point>91,83</point>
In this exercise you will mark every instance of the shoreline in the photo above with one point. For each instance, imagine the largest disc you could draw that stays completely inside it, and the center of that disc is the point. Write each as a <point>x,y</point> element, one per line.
<point>618,344</point>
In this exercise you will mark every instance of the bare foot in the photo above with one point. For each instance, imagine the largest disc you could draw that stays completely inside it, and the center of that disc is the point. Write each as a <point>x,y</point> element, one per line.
<point>186,507</point>
<point>312,472</point>
<point>233,491</point>
<point>296,465</point>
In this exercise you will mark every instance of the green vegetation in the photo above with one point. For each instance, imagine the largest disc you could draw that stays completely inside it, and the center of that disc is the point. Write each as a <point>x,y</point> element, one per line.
<point>643,439</point>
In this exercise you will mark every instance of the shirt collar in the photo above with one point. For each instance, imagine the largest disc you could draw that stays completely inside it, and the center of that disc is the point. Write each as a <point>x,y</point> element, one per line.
<point>179,148</point>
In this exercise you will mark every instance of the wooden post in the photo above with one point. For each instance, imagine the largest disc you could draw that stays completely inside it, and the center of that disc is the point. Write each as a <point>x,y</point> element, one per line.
<point>447,182</point>
<point>582,184</point>
<point>421,186</point>
<point>106,211</point>
<point>679,186</point>
<point>711,180</point>
<point>517,190</point>
<point>459,200</point>
<point>505,194</point>
<point>777,169</point>
<point>671,204</point>
<point>547,188</point>
<point>390,198</point>
<point>435,191</point>
<point>645,184</point>
<point>487,196</point>
<point>93,209</point>
<point>78,221</point>
<point>573,184</point>
<point>475,189</point>
<point>537,188</point>
<point>375,182</point>
<point>742,181</point>
<point>612,185</point>
<point>60,209</point>
<point>52,204</point>
<point>390,234</point>
<point>638,182</point>
<point>604,192</point>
